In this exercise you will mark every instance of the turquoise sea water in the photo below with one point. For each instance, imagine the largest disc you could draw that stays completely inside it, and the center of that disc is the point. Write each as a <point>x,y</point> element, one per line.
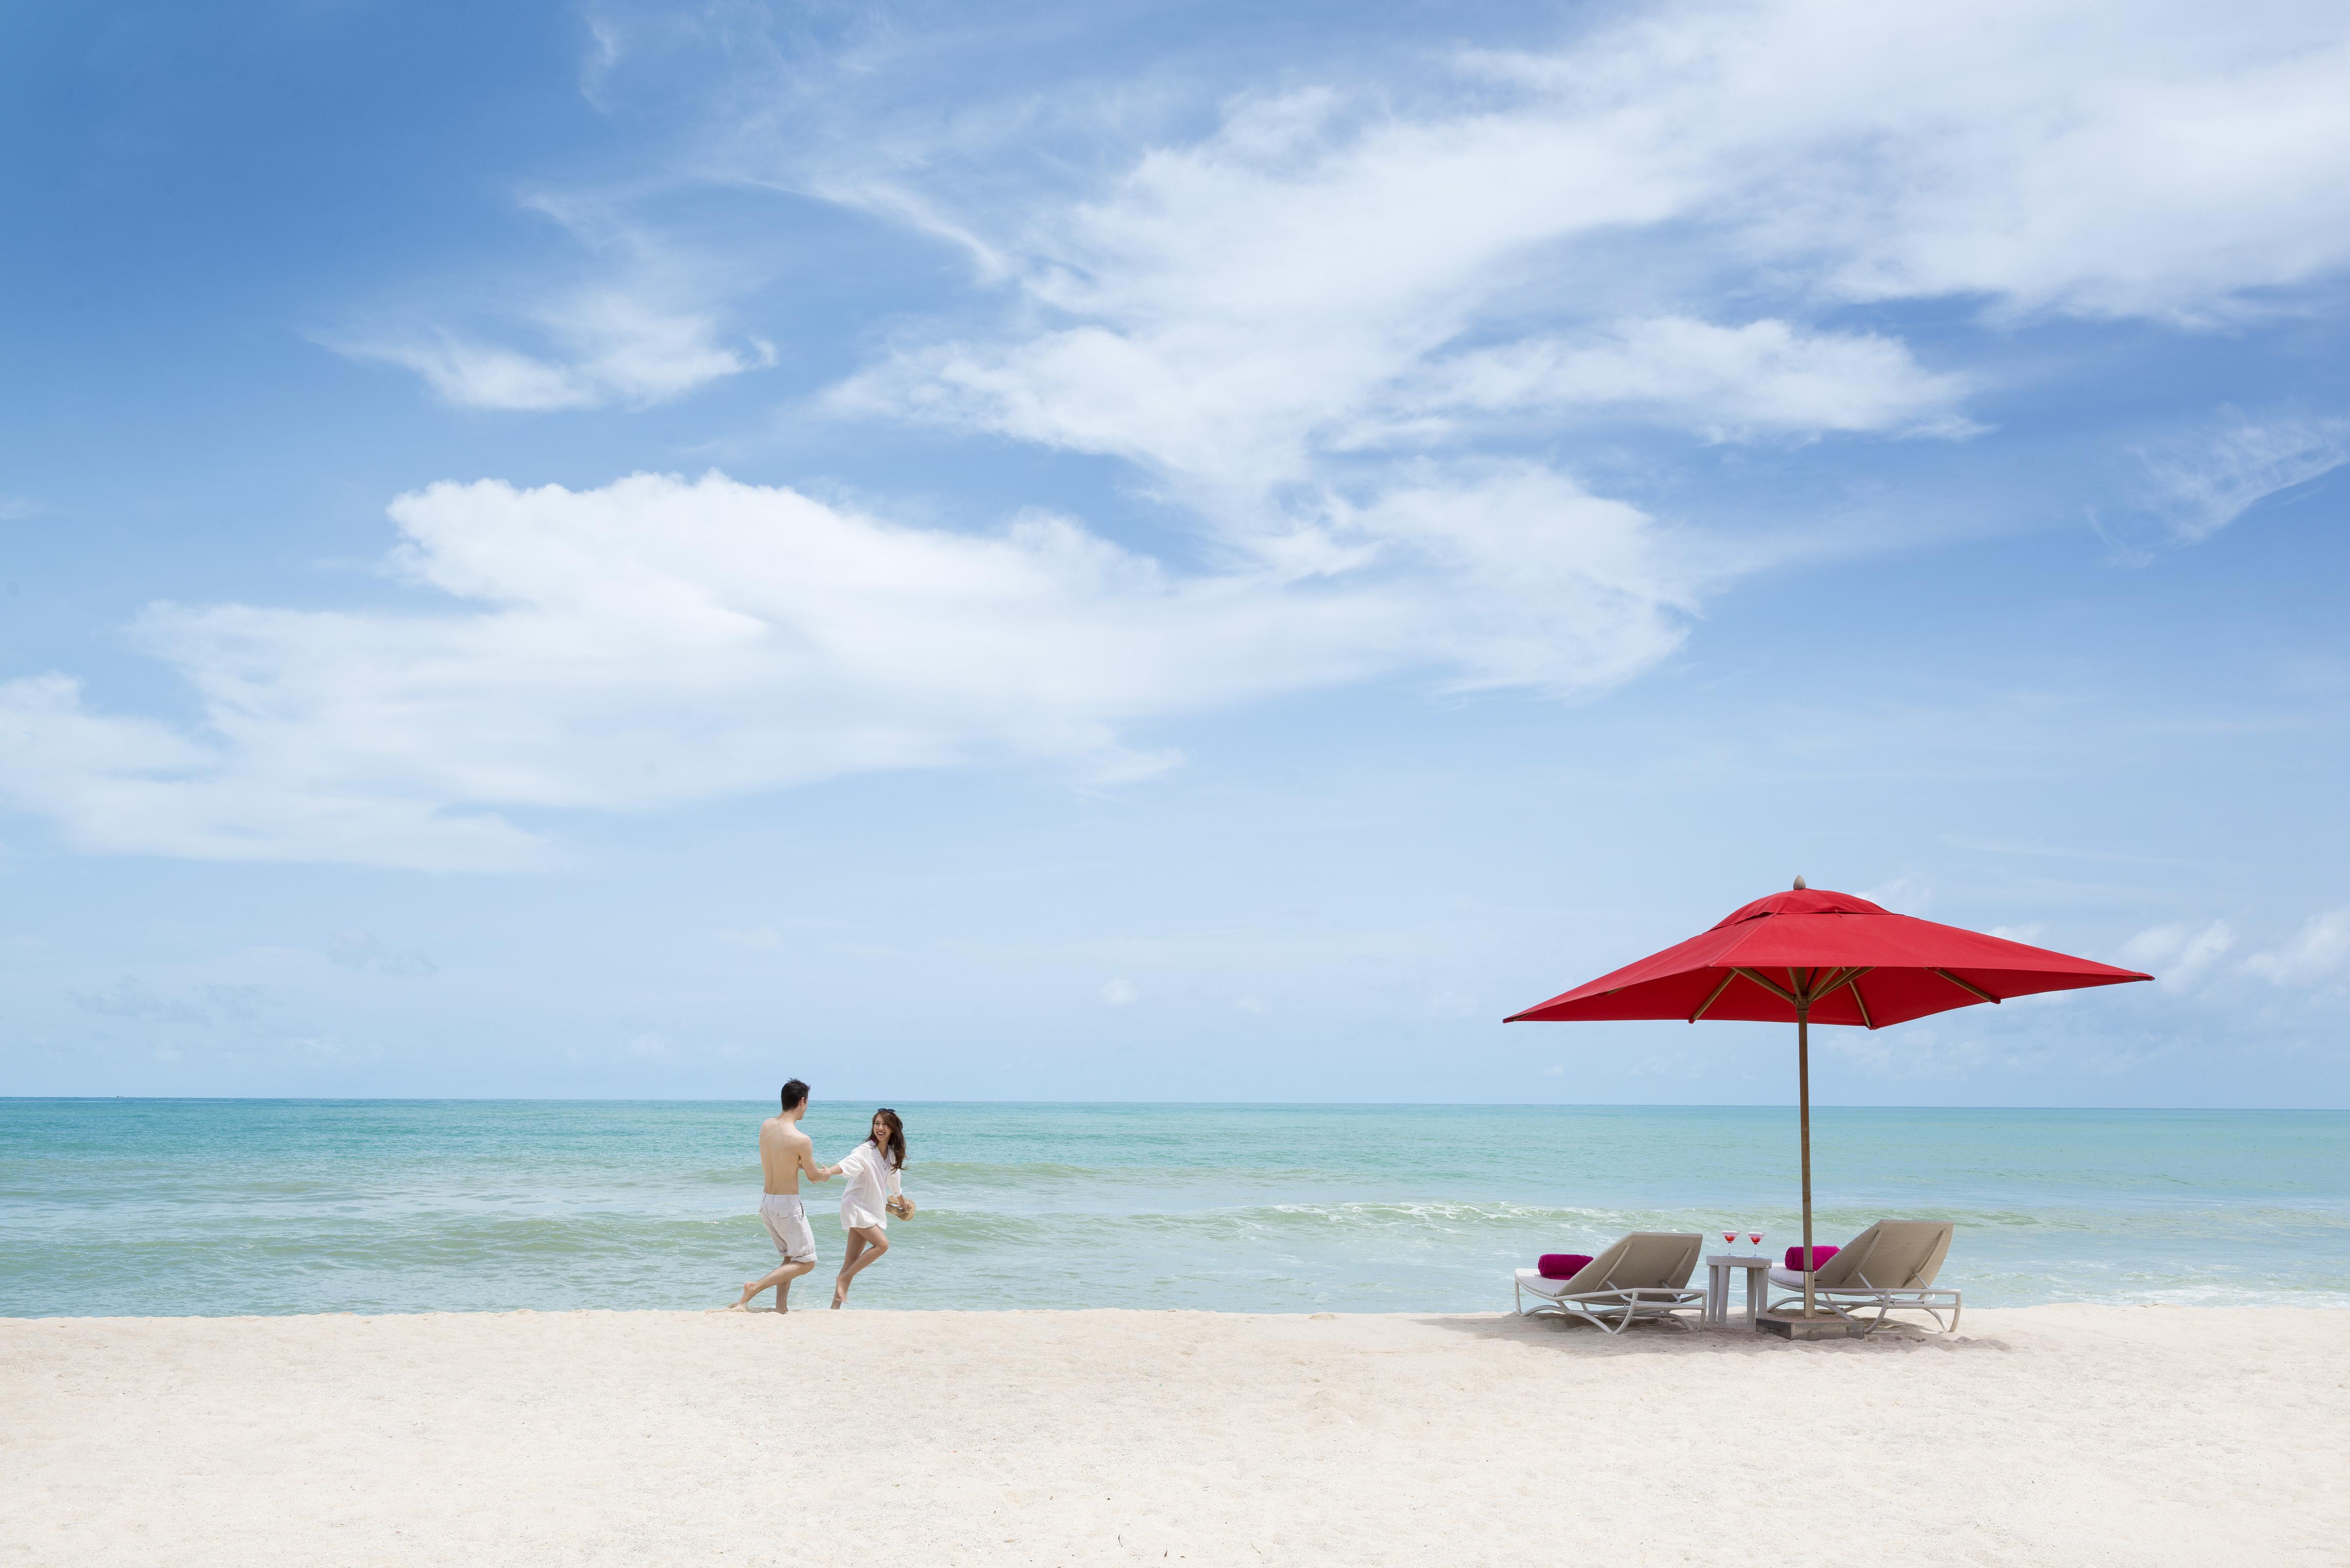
<point>213,1207</point>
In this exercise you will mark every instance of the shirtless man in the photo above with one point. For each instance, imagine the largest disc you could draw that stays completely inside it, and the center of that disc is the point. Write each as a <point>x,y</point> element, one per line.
<point>785,1154</point>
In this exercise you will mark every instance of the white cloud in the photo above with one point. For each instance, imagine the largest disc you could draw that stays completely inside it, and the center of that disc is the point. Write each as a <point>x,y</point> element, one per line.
<point>1294,284</point>
<point>602,346</point>
<point>1765,377</point>
<point>636,322</point>
<point>133,785</point>
<point>1324,325</point>
<point>2318,949</point>
<point>2176,955</point>
<point>656,641</point>
<point>2103,158</point>
<point>1559,590</point>
<point>2203,482</point>
<point>1121,994</point>
<point>1344,264</point>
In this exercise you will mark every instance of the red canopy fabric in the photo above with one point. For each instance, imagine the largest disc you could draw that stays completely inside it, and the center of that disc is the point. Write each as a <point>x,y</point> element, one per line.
<point>1802,942</point>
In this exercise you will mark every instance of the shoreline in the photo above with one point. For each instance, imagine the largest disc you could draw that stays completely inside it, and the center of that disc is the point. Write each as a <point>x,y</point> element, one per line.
<point>871,1309</point>
<point>2074,1434</point>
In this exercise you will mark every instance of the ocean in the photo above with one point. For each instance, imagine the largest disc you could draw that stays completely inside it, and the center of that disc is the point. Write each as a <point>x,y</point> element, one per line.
<point>234,1207</point>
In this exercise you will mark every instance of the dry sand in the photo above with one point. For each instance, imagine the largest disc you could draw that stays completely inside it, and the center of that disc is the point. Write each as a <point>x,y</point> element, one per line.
<point>2047,1436</point>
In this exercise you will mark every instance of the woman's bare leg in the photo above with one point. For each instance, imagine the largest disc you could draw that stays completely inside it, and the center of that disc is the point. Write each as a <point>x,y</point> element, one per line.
<point>848,1256</point>
<point>865,1245</point>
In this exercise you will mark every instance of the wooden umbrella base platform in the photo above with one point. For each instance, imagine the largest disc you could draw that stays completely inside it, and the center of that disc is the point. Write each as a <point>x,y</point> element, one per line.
<point>1795,1326</point>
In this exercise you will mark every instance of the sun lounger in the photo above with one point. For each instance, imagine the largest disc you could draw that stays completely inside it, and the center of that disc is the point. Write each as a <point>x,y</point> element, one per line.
<point>1643,1277</point>
<point>1889,1266</point>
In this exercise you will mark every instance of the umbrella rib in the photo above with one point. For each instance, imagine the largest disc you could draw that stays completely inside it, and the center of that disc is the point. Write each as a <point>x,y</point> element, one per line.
<point>1862,1003</point>
<point>1979,991</point>
<point>1710,1001</point>
<point>1850,977</point>
<point>1771,986</point>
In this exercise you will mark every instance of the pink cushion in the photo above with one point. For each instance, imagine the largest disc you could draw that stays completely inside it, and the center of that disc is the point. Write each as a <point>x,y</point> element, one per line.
<point>1819,1255</point>
<point>1561,1265</point>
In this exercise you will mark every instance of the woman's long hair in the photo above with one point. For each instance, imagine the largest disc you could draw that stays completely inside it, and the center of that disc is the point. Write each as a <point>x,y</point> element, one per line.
<point>896,1148</point>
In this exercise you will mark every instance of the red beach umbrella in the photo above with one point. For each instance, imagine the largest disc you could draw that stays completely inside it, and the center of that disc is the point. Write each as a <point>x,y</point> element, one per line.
<point>1813,956</point>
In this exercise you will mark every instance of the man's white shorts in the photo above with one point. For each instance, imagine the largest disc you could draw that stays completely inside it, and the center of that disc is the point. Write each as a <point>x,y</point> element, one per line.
<point>787,1224</point>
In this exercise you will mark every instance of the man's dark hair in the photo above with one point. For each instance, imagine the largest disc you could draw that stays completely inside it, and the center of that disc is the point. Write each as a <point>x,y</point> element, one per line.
<point>795,1094</point>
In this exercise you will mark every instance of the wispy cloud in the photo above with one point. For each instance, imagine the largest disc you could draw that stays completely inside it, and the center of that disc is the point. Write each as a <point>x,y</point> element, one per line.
<point>133,997</point>
<point>2201,483</point>
<point>634,319</point>
<point>2318,950</point>
<point>364,950</point>
<point>2178,955</point>
<point>1318,262</point>
<point>1319,318</point>
<point>1904,895</point>
<point>603,347</point>
<point>1725,382</point>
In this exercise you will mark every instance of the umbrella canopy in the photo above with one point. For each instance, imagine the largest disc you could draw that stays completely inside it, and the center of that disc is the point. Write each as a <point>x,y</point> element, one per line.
<point>1856,963</point>
<point>1813,956</point>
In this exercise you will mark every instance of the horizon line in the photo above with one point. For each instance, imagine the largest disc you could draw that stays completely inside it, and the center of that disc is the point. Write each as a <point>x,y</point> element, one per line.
<point>1165,1105</point>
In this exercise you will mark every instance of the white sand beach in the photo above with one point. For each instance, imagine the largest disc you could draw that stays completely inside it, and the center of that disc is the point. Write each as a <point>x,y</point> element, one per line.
<point>2056,1435</point>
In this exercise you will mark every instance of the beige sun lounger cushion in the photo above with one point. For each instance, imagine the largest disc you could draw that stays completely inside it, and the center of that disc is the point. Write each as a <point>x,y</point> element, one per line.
<point>1890,1255</point>
<point>1644,1261</point>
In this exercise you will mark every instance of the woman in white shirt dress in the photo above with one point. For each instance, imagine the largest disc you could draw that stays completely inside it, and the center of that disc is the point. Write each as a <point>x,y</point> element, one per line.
<point>873,1196</point>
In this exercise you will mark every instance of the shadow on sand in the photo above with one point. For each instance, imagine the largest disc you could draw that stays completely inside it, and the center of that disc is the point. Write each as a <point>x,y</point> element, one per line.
<point>1666,1339</point>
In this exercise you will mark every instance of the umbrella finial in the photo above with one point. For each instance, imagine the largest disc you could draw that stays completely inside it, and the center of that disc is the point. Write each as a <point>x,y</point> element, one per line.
<point>1800,884</point>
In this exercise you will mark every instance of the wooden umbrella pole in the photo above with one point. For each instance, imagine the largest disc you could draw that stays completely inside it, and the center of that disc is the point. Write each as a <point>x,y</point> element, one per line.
<point>1803,1094</point>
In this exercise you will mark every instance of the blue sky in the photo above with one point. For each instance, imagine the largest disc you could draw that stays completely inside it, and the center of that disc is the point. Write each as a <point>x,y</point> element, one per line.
<point>1162,552</point>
